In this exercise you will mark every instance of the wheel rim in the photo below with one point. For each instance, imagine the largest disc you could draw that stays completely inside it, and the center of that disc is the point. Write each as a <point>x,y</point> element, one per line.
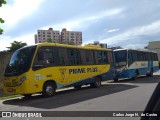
<point>49,90</point>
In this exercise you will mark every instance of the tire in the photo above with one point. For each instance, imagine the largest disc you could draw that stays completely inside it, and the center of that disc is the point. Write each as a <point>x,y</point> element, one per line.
<point>151,73</point>
<point>97,83</point>
<point>78,87</point>
<point>48,89</point>
<point>135,75</point>
<point>26,96</point>
<point>115,79</point>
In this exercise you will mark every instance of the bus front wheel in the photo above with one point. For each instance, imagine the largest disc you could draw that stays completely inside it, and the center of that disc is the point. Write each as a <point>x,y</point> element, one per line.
<point>97,83</point>
<point>78,87</point>
<point>135,75</point>
<point>115,79</point>
<point>48,89</point>
<point>151,73</point>
<point>26,96</point>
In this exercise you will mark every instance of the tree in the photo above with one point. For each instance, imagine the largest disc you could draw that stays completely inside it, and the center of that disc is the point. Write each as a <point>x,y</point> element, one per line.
<point>49,40</point>
<point>68,43</point>
<point>1,20</point>
<point>16,45</point>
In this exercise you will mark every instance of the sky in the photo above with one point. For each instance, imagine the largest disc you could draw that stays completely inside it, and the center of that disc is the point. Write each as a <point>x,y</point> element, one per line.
<point>125,23</point>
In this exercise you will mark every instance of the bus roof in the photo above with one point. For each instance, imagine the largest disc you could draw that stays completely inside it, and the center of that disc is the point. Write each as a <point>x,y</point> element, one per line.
<point>142,50</point>
<point>90,47</point>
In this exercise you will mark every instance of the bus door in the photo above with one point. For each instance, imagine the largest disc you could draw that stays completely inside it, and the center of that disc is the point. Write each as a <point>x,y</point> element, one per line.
<point>150,63</point>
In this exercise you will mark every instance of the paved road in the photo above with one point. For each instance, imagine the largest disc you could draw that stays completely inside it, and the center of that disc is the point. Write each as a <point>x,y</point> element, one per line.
<point>125,95</point>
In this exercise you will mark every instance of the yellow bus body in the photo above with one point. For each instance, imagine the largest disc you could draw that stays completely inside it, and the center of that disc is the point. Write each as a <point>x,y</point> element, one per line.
<point>63,76</point>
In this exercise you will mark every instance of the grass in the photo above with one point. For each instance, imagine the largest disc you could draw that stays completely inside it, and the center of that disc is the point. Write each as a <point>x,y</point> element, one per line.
<point>9,97</point>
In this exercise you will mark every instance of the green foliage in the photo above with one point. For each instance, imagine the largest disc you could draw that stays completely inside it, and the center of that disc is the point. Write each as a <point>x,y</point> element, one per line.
<point>2,2</point>
<point>1,31</point>
<point>68,43</point>
<point>1,20</point>
<point>49,40</point>
<point>16,45</point>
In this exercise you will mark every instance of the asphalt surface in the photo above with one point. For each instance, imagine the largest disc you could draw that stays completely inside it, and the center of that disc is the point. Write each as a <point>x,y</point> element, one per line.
<point>125,95</point>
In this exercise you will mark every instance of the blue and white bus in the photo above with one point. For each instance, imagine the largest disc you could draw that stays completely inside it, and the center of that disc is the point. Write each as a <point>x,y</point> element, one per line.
<point>133,63</point>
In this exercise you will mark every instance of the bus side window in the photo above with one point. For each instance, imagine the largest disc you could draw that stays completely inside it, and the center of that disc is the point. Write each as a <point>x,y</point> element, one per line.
<point>101,57</point>
<point>130,59</point>
<point>83,56</point>
<point>89,57</point>
<point>155,57</point>
<point>109,56</point>
<point>40,55</point>
<point>46,56</point>
<point>74,57</point>
<point>63,56</point>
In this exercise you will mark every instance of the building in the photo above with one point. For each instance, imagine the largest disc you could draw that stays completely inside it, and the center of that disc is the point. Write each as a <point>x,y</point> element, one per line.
<point>103,45</point>
<point>50,34</point>
<point>72,37</point>
<point>154,46</point>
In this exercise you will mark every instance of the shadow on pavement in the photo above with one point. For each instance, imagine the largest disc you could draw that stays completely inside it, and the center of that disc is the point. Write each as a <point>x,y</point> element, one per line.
<point>141,79</point>
<point>68,97</point>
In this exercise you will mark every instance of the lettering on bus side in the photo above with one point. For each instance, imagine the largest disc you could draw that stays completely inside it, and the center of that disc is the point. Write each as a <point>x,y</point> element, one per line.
<point>82,70</point>
<point>92,69</point>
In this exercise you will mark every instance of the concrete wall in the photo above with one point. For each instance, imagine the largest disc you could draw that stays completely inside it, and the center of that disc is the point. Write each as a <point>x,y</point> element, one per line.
<point>4,59</point>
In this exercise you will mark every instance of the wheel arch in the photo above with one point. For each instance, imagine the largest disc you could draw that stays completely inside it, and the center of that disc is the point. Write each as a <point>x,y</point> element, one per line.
<point>51,82</point>
<point>99,76</point>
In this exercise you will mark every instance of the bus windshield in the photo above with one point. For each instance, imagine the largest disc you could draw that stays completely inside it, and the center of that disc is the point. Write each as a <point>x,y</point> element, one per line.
<point>120,58</point>
<point>20,61</point>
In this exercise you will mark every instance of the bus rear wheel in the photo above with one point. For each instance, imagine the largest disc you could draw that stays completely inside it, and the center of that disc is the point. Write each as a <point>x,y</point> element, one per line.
<point>97,83</point>
<point>48,89</point>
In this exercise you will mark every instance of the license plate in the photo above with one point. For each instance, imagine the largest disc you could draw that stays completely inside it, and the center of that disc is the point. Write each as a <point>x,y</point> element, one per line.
<point>11,90</point>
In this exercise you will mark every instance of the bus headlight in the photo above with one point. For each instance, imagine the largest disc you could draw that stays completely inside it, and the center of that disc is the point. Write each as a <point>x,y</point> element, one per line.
<point>22,80</point>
